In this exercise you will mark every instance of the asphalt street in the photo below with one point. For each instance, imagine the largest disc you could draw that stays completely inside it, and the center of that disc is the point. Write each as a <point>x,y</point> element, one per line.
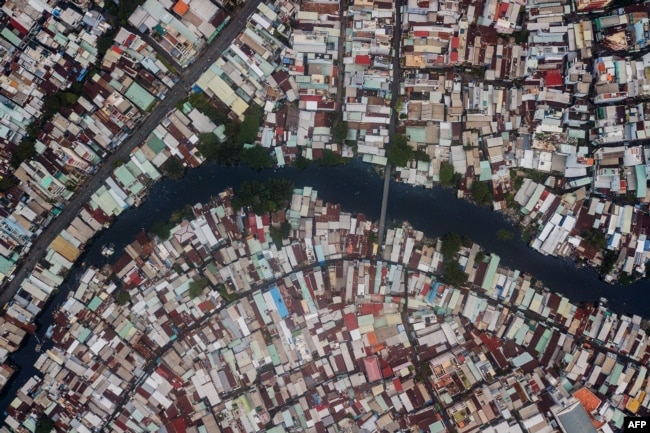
<point>176,94</point>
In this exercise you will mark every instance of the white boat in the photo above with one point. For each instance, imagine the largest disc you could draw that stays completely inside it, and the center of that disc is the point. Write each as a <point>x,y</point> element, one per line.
<point>108,250</point>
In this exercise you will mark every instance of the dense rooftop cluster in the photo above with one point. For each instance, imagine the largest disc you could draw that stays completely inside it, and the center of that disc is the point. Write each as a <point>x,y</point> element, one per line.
<point>222,327</point>
<point>531,107</point>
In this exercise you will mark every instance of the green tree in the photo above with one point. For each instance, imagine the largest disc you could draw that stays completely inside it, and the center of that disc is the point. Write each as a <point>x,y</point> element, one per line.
<point>7,182</point>
<point>185,213</point>
<point>229,153</point>
<point>624,278</point>
<point>257,157</point>
<point>197,286</point>
<point>481,193</point>
<point>105,42</point>
<point>208,145</point>
<point>264,197</point>
<point>421,155</point>
<point>25,150</point>
<point>123,297</point>
<point>595,238</point>
<point>162,229</point>
<point>280,233</point>
<point>330,158</point>
<point>340,131</point>
<point>123,11</point>
<point>44,424</point>
<point>453,274</point>
<point>451,243</point>
<point>251,125</point>
<point>446,174</point>
<point>202,103</point>
<point>609,260</point>
<point>301,162</point>
<point>399,152</point>
<point>173,168</point>
<point>505,235</point>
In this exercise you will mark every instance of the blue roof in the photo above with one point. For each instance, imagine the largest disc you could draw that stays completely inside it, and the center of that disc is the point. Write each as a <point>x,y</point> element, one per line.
<point>279,302</point>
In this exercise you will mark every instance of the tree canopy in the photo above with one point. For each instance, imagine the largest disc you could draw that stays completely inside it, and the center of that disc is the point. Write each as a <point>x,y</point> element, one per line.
<point>44,424</point>
<point>446,174</point>
<point>123,297</point>
<point>257,157</point>
<point>331,158</point>
<point>26,150</point>
<point>197,286</point>
<point>481,193</point>
<point>250,126</point>
<point>451,271</point>
<point>451,243</point>
<point>301,162</point>
<point>453,274</point>
<point>202,103</point>
<point>340,131</point>
<point>399,152</point>
<point>173,168</point>
<point>280,233</point>
<point>162,229</point>
<point>7,182</point>
<point>264,197</point>
<point>595,238</point>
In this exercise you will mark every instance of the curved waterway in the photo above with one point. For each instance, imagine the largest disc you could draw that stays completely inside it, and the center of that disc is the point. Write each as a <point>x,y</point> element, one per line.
<point>358,189</point>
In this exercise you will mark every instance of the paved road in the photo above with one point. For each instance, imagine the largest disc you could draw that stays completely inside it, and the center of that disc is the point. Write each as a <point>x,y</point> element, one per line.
<point>397,79</point>
<point>176,94</point>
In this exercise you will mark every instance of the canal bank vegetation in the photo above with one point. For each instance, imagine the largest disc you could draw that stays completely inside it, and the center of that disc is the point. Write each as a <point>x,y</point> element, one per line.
<point>481,193</point>
<point>339,129</point>
<point>278,234</point>
<point>162,229</point>
<point>257,157</point>
<point>230,151</point>
<point>452,273</point>
<point>505,235</point>
<point>262,197</point>
<point>448,177</point>
<point>173,169</point>
<point>399,152</point>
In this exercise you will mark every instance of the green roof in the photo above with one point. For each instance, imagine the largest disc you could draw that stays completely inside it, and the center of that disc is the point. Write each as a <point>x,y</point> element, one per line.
<point>641,181</point>
<point>5,265</point>
<point>94,303</point>
<point>123,174</point>
<point>273,353</point>
<point>8,35</point>
<point>491,271</point>
<point>83,335</point>
<point>416,133</point>
<point>139,96</point>
<point>437,427</point>
<point>486,171</point>
<point>125,331</point>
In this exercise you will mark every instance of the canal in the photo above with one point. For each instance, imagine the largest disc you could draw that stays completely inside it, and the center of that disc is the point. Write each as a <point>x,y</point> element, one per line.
<point>358,189</point>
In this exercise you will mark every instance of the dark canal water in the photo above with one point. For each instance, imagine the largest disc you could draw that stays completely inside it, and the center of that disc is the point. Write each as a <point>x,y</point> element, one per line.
<point>358,189</point>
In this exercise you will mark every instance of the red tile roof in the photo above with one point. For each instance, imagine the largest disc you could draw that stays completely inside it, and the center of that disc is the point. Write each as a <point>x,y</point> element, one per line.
<point>362,60</point>
<point>372,368</point>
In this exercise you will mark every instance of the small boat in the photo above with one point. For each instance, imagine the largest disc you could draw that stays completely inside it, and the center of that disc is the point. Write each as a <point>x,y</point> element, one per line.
<point>108,250</point>
<point>39,345</point>
<point>603,301</point>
